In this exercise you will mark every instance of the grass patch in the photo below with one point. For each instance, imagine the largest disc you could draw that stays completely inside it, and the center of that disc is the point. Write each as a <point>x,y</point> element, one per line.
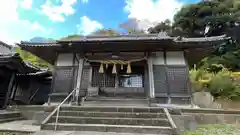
<point>216,129</point>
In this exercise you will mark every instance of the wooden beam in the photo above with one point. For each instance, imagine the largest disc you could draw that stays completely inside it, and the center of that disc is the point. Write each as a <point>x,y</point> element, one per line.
<point>110,57</point>
<point>79,78</point>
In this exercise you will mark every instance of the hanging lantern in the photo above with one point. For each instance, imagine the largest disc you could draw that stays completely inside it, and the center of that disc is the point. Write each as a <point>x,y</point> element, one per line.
<point>114,70</point>
<point>129,70</point>
<point>101,70</point>
<point>121,66</point>
<point>106,65</point>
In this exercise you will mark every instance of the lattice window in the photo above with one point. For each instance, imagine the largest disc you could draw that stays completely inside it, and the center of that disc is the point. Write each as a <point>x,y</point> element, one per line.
<point>106,79</point>
<point>160,81</point>
<point>135,81</point>
<point>63,79</point>
<point>177,79</point>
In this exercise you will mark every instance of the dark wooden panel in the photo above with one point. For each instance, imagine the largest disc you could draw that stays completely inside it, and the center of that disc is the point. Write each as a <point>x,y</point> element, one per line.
<point>63,79</point>
<point>85,77</point>
<point>178,79</point>
<point>160,80</point>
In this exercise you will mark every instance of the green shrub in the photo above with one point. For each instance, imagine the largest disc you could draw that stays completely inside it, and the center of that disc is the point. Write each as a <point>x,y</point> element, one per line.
<point>199,78</point>
<point>216,129</point>
<point>215,68</point>
<point>221,84</point>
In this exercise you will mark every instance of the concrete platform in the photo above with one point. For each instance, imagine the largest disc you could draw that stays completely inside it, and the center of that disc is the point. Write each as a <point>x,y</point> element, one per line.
<point>83,133</point>
<point>19,126</point>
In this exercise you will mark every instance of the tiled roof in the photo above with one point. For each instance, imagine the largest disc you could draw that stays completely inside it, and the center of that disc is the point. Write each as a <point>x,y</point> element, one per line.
<point>5,49</point>
<point>202,39</point>
<point>38,44</point>
<point>41,72</point>
<point>7,54</point>
<point>159,36</point>
<point>145,37</point>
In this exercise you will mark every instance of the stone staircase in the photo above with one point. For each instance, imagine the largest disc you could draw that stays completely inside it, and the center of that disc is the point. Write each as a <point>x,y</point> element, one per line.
<point>116,101</point>
<point>144,120</point>
<point>8,116</point>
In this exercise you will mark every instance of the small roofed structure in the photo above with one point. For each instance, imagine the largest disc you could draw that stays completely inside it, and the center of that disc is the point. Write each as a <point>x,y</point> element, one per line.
<point>11,68</point>
<point>151,66</point>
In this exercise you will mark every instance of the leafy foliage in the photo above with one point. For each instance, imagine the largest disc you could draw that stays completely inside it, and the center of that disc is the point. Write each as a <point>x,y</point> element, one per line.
<point>28,57</point>
<point>230,60</point>
<point>221,84</point>
<point>162,26</point>
<point>71,36</point>
<point>106,32</point>
<point>221,16</point>
<point>215,129</point>
<point>218,14</point>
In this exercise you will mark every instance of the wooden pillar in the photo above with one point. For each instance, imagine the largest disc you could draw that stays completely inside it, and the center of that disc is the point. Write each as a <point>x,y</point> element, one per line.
<point>151,79</point>
<point>166,69</point>
<point>116,80</point>
<point>79,78</point>
<point>90,77</point>
<point>9,90</point>
<point>188,76</point>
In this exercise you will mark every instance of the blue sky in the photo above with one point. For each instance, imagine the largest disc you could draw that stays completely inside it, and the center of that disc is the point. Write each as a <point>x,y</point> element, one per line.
<point>25,19</point>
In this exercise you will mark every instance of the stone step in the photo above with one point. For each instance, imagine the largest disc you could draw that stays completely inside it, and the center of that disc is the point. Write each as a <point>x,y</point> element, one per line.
<point>11,119</point>
<point>116,99</point>
<point>32,108</point>
<point>108,101</point>
<point>112,114</point>
<point>181,100</point>
<point>112,121</point>
<point>119,104</point>
<point>111,128</point>
<point>4,115</point>
<point>113,109</point>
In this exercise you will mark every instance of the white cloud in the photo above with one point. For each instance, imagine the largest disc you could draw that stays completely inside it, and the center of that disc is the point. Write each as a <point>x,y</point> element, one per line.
<point>84,1</point>
<point>88,26</point>
<point>58,12</point>
<point>149,12</point>
<point>12,28</point>
<point>26,4</point>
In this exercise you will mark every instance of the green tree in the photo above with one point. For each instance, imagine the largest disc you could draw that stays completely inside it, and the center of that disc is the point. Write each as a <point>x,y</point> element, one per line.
<point>71,36</point>
<point>106,32</point>
<point>212,18</point>
<point>162,26</point>
<point>219,15</point>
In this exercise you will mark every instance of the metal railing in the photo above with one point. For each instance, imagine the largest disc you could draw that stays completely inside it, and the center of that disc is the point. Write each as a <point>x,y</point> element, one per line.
<point>57,110</point>
<point>173,125</point>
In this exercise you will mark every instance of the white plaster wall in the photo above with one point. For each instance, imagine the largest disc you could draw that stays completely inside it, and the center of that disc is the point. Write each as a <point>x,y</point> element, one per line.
<point>175,58</point>
<point>158,59</point>
<point>65,59</point>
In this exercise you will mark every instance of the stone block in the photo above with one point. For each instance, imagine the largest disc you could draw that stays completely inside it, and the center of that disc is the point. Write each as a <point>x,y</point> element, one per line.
<point>38,117</point>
